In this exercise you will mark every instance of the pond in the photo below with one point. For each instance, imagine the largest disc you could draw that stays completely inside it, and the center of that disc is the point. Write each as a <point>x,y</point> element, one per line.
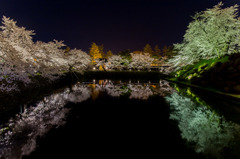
<point>123,119</point>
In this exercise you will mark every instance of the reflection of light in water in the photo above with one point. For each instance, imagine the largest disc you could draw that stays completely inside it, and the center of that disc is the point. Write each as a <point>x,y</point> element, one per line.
<point>137,91</point>
<point>80,93</point>
<point>163,89</point>
<point>140,92</point>
<point>101,82</point>
<point>115,90</point>
<point>209,132</point>
<point>18,136</point>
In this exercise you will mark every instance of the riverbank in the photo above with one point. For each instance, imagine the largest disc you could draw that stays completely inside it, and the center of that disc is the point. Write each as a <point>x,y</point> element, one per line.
<point>228,96</point>
<point>220,76</point>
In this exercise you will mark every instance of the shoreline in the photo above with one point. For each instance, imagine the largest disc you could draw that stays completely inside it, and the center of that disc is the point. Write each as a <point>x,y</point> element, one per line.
<point>228,96</point>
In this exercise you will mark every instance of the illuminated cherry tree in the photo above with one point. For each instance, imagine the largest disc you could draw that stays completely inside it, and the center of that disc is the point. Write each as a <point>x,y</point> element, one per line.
<point>21,58</point>
<point>49,58</point>
<point>116,62</point>
<point>78,60</point>
<point>18,37</point>
<point>12,68</point>
<point>141,61</point>
<point>100,62</point>
<point>212,34</point>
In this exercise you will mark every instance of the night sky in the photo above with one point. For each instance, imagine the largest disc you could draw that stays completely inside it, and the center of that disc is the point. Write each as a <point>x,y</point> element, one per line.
<point>117,24</point>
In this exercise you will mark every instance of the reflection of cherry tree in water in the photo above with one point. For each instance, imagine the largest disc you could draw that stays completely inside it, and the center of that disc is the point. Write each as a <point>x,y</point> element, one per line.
<point>209,132</point>
<point>140,91</point>
<point>137,91</point>
<point>79,93</point>
<point>18,136</point>
<point>115,90</point>
<point>163,89</point>
<point>112,89</point>
<point>143,92</point>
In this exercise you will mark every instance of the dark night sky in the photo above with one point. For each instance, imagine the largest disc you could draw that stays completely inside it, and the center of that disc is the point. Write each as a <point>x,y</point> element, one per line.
<point>117,24</point>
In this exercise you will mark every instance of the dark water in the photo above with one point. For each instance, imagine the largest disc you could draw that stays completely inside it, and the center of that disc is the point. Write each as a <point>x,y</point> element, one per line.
<point>124,119</point>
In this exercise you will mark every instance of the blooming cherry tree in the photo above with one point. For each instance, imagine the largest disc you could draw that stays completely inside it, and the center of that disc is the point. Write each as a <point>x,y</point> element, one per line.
<point>212,34</point>
<point>116,62</point>
<point>141,61</point>
<point>18,37</point>
<point>21,58</point>
<point>77,60</point>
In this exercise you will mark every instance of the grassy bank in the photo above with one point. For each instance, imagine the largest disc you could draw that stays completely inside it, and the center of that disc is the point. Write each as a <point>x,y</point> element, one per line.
<point>220,74</point>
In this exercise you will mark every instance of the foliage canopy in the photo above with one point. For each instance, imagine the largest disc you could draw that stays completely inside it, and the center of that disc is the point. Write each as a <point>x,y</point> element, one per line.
<point>213,33</point>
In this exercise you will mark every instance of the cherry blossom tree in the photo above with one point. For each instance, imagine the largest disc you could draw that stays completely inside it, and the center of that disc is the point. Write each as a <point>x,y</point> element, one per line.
<point>18,37</point>
<point>141,61</point>
<point>77,60</point>
<point>101,62</point>
<point>12,68</point>
<point>116,62</point>
<point>21,58</point>
<point>212,34</point>
<point>49,58</point>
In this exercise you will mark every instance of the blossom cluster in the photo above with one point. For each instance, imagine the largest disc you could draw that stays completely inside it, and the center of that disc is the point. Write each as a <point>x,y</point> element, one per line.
<point>21,58</point>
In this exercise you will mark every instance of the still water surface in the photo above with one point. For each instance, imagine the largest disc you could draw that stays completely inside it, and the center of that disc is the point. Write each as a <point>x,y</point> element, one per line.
<point>123,119</point>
